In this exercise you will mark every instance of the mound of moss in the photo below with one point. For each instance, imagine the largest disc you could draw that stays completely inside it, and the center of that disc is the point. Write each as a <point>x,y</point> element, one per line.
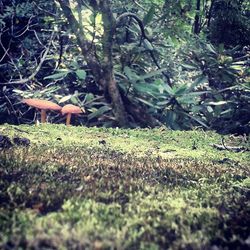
<point>98,188</point>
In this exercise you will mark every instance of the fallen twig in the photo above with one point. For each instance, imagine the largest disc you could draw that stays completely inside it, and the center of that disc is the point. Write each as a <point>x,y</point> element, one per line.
<point>229,148</point>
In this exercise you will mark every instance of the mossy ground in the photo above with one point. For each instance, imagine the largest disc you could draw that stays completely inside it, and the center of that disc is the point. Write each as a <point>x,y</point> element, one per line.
<point>97,188</point>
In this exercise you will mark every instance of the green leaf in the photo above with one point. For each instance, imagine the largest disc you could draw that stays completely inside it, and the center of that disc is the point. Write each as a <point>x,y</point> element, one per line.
<point>99,112</point>
<point>18,91</point>
<point>88,97</point>
<point>226,111</point>
<point>210,109</point>
<point>237,67</point>
<point>99,18</point>
<point>189,66</point>
<point>74,64</point>
<point>159,84</point>
<point>195,119</point>
<point>74,100</point>
<point>56,76</point>
<point>198,93</point>
<point>187,99</point>
<point>169,89</point>
<point>217,103</point>
<point>131,74</point>
<point>211,48</point>
<point>170,118</point>
<point>148,45</point>
<point>149,16</point>
<point>151,74</point>
<point>146,88</point>
<point>65,98</point>
<point>163,103</point>
<point>181,90</point>
<point>81,74</point>
<point>196,109</point>
<point>199,80</point>
<point>148,103</point>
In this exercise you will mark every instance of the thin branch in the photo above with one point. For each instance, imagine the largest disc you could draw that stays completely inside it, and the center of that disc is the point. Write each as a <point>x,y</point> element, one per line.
<point>5,52</point>
<point>60,51</point>
<point>138,20</point>
<point>12,107</point>
<point>139,5</point>
<point>144,36</point>
<point>23,81</point>
<point>11,59</point>
<point>229,148</point>
<point>37,38</point>
<point>45,11</point>
<point>79,12</point>
<point>26,28</point>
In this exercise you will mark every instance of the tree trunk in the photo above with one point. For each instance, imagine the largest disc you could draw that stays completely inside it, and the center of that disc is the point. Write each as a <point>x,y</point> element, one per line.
<point>103,73</point>
<point>108,71</point>
<point>209,15</point>
<point>197,18</point>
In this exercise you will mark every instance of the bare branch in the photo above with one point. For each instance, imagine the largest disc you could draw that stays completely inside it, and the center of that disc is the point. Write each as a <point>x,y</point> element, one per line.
<point>23,81</point>
<point>144,36</point>
<point>37,38</point>
<point>7,53</point>
<point>45,11</point>
<point>26,28</point>
<point>138,20</point>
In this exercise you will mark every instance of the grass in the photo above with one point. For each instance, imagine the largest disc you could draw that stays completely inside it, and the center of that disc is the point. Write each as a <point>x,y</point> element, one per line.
<point>97,188</point>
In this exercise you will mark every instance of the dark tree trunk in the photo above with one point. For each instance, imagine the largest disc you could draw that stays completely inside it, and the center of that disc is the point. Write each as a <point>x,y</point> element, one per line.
<point>209,16</point>
<point>197,22</point>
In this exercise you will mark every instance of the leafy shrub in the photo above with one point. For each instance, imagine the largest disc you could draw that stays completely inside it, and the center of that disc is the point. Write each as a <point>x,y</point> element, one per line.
<point>225,102</point>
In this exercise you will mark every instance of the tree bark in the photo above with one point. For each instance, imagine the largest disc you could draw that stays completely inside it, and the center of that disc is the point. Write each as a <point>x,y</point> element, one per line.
<point>109,24</point>
<point>103,73</point>
<point>209,15</point>
<point>197,18</point>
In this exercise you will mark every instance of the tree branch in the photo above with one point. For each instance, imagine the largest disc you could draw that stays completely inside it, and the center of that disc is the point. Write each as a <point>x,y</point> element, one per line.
<point>144,36</point>
<point>138,20</point>
<point>23,81</point>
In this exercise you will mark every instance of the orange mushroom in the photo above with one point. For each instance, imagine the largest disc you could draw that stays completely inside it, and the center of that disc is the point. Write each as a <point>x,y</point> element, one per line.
<point>70,109</point>
<point>43,105</point>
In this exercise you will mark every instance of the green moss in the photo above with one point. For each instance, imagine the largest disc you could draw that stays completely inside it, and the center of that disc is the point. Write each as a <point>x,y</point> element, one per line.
<point>78,187</point>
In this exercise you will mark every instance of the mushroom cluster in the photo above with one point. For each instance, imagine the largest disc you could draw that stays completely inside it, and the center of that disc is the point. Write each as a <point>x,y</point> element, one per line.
<point>45,106</point>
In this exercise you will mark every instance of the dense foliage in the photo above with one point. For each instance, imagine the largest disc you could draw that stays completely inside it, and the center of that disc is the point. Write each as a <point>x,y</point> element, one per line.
<point>129,63</point>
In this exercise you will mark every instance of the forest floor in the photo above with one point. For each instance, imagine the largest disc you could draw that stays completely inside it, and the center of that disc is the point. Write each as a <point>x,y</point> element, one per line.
<point>96,188</point>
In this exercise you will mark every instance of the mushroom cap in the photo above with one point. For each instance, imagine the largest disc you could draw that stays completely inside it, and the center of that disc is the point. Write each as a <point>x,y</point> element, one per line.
<point>42,104</point>
<point>72,109</point>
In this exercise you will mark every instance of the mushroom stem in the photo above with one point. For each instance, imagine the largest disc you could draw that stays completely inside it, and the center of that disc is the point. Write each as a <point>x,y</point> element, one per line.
<point>43,116</point>
<point>68,119</point>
